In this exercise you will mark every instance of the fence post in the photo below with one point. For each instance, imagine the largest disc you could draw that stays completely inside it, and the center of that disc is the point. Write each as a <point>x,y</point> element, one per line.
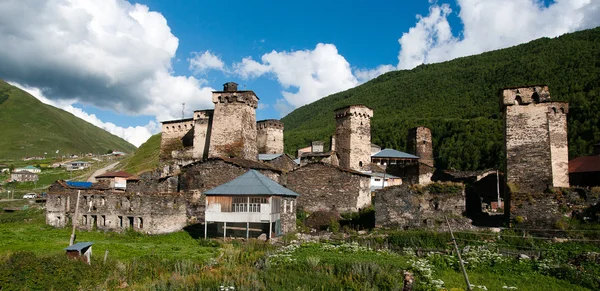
<point>462,266</point>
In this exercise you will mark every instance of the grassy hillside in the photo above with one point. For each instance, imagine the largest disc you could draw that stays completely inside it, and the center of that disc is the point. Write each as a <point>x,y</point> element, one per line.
<point>29,127</point>
<point>144,158</point>
<point>458,100</point>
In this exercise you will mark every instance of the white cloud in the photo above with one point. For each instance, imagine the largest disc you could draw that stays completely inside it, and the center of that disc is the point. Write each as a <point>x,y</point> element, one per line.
<point>109,53</point>
<point>135,135</point>
<point>364,75</point>
<point>490,25</point>
<point>201,63</point>
<point>306,75</point>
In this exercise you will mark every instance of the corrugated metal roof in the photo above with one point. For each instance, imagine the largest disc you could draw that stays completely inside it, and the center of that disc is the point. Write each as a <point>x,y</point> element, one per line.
<point>120,174</point>
<point>79,246</point>
<point>392,153</point>
<point>268,157</point>
<point>251,183</point>
<point>585,164</point>
<point>79,184</point>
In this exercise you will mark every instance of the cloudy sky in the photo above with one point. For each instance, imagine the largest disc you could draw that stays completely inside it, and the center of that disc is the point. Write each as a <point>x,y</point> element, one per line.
<point>127,65</point>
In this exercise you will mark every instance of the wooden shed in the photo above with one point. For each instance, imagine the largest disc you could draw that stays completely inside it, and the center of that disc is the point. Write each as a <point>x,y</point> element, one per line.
<point>81,251</point>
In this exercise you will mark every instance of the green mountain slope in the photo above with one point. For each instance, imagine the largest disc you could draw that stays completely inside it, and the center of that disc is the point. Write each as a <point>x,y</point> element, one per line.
<point>144,158</point>
<point>458,100</point>
<point>29,127</point>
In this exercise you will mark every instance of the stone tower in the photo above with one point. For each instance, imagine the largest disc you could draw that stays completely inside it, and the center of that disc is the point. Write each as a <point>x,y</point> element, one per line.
<point>535,139</point>
<point>420,144</point>
<point>353,136</point>
<point>269,136</point>
<point>233,131</point>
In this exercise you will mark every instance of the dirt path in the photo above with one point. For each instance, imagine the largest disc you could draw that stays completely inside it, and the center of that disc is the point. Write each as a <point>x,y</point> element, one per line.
<point>101,171</point>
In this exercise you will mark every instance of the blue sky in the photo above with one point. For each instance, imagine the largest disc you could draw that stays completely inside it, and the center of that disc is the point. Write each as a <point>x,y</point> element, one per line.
<point>126,65</point>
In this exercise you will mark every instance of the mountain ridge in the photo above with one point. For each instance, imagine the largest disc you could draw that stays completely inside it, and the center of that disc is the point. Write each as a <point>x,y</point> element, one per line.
<point>32,128</point>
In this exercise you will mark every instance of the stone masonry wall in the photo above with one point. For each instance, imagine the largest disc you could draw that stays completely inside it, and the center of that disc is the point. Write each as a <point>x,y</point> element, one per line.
<point>152,213</point>
<point>326,187</point>
<point>283,163</point>
<point>528,160</point>
<point>202,132</point>
<point>407,206</point>
<point>234,125</point>
<point>559,147</point>
<point>353,136</point>
<point>269,136</point>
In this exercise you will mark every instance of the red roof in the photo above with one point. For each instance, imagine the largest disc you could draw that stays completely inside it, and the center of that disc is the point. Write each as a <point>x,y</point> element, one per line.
<point>120,174</point>
<point>585,164</point>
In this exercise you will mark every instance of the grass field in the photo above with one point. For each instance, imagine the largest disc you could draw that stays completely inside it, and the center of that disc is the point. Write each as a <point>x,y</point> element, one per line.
<point>32,258</point>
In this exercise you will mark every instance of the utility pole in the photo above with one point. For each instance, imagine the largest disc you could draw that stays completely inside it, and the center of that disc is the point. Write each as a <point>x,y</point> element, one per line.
<point>74,219</point>
<point>462,266</point>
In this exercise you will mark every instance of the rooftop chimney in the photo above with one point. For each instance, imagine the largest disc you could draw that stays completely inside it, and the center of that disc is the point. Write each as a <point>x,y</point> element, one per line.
<point>230,87</point>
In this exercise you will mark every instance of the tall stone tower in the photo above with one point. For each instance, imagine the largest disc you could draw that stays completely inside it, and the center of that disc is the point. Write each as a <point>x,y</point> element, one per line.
<point>269,136</point>
<point>420,144</point>
<point>353,136</point>
<point>535,139</point>
<point>234,123</point>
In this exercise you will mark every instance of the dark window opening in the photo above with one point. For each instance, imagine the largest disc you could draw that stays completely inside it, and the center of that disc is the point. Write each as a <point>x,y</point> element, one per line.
<point>141,222</point>
<point>130,218</point>
<point>120,221</point>
<point>103,222</point>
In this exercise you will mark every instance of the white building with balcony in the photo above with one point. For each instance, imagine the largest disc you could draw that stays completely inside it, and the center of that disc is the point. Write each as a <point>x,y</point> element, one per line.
<point>248,206</point>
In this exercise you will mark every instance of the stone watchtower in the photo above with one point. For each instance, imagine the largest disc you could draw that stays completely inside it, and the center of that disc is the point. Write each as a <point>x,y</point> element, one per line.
<point>535,139</point>
<point>233,131</point>
<point>269,136</point>
<point>202,132</point>
<point>353,136</point>
<point>420,144</point>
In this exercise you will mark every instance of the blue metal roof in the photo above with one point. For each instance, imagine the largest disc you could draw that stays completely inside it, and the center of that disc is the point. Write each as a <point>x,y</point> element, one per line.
<point>79,246</point>
<point>391,153</point>
<point>79,184</point>
<point>251,183</point>
<point>268,157</point>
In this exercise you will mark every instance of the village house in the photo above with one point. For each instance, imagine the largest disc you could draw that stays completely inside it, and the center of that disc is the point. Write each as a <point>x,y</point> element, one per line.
<point>76,165</point>
<point>585,171</point>
<point>24,176</point>
<point>248,206</point>
<point>116,180</point>
<point>29,168</point>
<point>382,180</point>
<point>393,157</point>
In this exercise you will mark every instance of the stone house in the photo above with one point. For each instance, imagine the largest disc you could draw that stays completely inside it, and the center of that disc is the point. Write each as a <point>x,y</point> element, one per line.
<point>23,176</point>
<point>116,180</point>
<point>326,187</point>
<point>249,206</point>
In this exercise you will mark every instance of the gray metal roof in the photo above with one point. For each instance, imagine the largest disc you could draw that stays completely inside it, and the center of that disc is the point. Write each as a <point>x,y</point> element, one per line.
<point>251,183</point>
<point>268,157</point>
<point>391,153</point>
<point>79,246</point>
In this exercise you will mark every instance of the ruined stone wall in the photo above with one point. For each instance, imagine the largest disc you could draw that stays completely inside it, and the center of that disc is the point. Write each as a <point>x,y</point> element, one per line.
<point>269,136</point>
<point>233,131</point>
<point>326,187</point>
<point>202,132</point>
<point>283,163</point>
<point>173,132</point>
<point>415,173</point>
<point>420,144</point>
<point>288,214</point>
<point>152,213</point>
<point>559,147</point>
<point>418,207</point>
<point>353,136</point>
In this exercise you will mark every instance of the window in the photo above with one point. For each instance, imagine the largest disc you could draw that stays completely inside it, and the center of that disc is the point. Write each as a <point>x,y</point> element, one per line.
<point>103,201</point>
<point>240,204</point>
<point>140,222</point>
<point>377,180</point>
<point>120,221</point>
<point>84,222</point>
<point>291,206</point>
<point>103,221</point>
<point>284,206</point>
